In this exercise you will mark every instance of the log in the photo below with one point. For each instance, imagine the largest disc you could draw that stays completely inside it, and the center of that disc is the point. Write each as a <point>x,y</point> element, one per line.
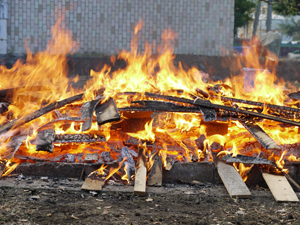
<point>155,175</point>
<point>107,112</point>
<point>280,188</point>
<point>38,113</point>
<point>261,136</point>
<point>141,174</point>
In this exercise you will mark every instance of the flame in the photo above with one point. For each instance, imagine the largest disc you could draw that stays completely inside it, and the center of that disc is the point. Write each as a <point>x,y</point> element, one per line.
<point>43,80</point>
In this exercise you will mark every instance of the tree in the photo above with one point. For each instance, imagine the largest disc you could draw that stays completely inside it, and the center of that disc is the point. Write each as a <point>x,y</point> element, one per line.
<point>291,28</point>
<point>286,7</point>
<point>242,12</point>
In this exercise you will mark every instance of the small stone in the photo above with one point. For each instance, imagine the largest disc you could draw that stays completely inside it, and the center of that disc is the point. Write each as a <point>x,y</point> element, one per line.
<point>240,212</point>
<point>44,178</point>
<point>94,193</point>
<point>34,197</point>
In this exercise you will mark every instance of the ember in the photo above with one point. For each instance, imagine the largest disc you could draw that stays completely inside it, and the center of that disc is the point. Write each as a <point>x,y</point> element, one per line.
<point>148,115</point>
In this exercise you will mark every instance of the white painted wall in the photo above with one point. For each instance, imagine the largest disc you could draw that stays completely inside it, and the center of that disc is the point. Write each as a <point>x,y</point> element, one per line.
<point>3,26</point>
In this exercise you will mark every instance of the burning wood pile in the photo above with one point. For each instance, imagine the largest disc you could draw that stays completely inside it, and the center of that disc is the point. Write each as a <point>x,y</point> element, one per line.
<point>139,120</point>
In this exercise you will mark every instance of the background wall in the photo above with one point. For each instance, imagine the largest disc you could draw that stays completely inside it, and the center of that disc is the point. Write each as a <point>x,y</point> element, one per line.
<point>103,26</point>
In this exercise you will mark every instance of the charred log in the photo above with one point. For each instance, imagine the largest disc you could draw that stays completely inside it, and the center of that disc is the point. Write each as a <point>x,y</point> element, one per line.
<point>36,114</point>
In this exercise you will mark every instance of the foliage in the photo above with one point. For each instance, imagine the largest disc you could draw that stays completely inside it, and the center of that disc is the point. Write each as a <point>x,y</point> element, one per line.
<point>291,28</point>
<point>286,7</point>
<point>242,11</point>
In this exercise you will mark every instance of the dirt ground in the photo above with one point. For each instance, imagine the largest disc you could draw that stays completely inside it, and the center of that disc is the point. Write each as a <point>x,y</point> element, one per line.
<point>28,200</point>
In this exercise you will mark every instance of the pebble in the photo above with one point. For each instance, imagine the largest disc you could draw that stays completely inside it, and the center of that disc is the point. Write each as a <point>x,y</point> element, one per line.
<point>94,193</point>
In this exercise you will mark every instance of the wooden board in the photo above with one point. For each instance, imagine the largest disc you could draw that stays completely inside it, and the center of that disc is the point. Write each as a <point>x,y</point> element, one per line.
<point>140,179</point>
<point>261,136</point>
<point>280,188</point>
<point>232,181</point>
<point>92,185</point>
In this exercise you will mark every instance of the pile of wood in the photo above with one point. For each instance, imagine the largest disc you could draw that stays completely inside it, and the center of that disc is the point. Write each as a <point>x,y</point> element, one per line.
<point>106,111</point>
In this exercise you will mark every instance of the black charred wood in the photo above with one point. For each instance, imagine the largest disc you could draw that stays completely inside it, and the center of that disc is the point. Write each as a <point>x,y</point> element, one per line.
<point>247,160</point>
<point>79,138</point>
<point>87,111</point>
<point>261,136</point>
<point>38,113</point>
<point>200,142</point>
<point>44,140</point>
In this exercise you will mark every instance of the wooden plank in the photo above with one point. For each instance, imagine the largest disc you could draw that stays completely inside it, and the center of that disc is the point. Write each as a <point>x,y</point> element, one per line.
<point>232,181</point>
<point>140,178</point>
<point>92,184</point>
<point>280,188</point>
<point>261,136</point>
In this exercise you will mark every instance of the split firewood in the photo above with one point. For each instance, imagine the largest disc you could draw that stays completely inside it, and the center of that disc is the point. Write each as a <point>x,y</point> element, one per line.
<point>141,174</point>
<point>36,114</point>
<point>155,174</point>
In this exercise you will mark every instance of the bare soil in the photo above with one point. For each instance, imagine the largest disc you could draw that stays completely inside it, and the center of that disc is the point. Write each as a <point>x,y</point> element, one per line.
<point>52,201</point>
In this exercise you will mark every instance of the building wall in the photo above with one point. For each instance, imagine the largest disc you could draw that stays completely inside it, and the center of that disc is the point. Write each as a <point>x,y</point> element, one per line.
<point>106,26</point>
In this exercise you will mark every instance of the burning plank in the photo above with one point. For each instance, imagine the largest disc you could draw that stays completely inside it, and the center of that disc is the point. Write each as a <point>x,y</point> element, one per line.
<point>247,159</point>
<point>280,188</point>
<point>155,176</point>
<point>87,111</point>
<point>261,136</point>
<point>231,178</point>
<point>232,181</point>
<point>208,104</point>
<point>107,112</point>
<point>38,113</point>
<point>141,174</point>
